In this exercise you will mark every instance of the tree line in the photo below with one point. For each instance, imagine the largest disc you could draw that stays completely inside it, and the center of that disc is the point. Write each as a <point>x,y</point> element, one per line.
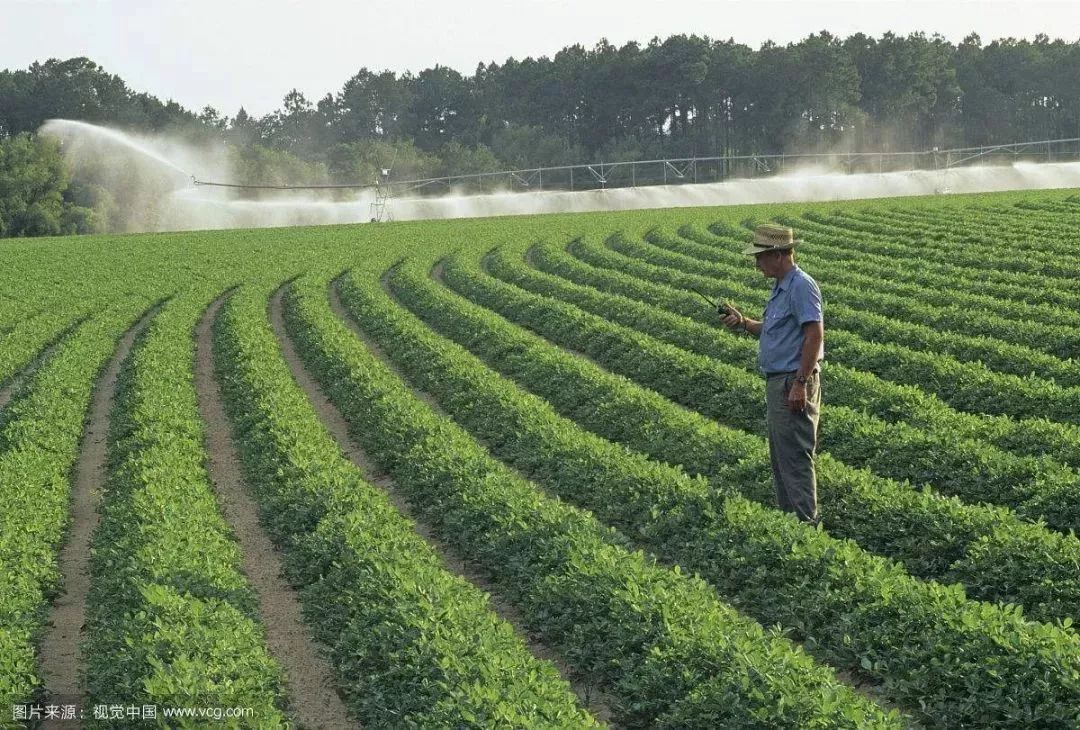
<point>682,96</point>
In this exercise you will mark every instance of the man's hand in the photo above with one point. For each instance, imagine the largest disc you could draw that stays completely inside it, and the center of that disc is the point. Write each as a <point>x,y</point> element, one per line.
<point>796,397</point>
<point>734,317</point>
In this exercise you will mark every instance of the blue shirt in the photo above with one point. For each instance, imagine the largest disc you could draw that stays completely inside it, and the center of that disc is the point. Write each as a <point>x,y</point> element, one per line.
<point>795,300</point>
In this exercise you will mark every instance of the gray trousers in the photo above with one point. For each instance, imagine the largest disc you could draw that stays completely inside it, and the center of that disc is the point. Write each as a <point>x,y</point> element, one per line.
<point>792,445</point>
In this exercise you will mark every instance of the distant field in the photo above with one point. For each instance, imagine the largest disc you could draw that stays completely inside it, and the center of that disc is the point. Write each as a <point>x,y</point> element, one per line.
<point>511,472</point>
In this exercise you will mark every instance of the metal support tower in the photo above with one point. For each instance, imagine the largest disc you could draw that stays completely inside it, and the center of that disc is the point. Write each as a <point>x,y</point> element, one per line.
<point>380,207</point>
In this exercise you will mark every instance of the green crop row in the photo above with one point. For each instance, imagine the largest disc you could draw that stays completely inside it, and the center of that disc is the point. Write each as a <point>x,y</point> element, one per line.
<point>1067,206</point>
<point>894,430</point>
<point>844,244</point>
<point>171,619</point>
<point>960,243</point>
<point>928,534</point>
<point>412,644</point>
<point>25,342</point>
<point>939,285</point>
<point>934,537</point>
<point>891,401</point>
<point>661,641</point>
<point>902,315</point>
<point>975,260</point>
<point>868,256</point>
<point>14,309</point>
<point>1013,232</point>
<point>40,443</point>
<point>1005,223</point>
<point>966,386</point>
<point>772,566</point>
<point>61,278</point>
<point>1008,238</point>
<point>1021,215</point>
<point>1046,230</point>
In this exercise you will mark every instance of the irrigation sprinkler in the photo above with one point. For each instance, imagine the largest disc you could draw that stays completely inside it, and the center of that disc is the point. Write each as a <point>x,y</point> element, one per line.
<point>679,170</point>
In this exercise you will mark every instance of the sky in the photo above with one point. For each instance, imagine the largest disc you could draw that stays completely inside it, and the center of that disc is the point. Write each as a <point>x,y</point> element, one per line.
<point>233,53</point>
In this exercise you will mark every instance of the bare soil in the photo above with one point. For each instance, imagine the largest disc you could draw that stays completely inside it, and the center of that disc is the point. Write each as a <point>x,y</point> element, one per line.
<point>60,651</point>
<point>595,701</point>
<point>863,684</point>
<point>313,701</point>
<point>436,274</point>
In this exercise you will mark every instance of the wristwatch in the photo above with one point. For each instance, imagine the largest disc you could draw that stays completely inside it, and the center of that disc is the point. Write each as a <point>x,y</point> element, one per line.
<point>800,379</point>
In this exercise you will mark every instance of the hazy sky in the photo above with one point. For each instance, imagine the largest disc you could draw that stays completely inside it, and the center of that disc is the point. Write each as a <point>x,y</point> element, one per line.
<point>229,53</point>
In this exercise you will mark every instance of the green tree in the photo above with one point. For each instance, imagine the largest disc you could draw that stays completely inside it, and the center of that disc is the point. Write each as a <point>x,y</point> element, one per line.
<point>243,129</point>
<point>908,88</point>
<point>79,89</point>
<point>361,161</point>
<point>521,146</point>
<point>259,165</point>
<point>372,105</point>
<point>442,108</point>
<point>32,182</point>
<point>457,159</point>
<point>290,129</point>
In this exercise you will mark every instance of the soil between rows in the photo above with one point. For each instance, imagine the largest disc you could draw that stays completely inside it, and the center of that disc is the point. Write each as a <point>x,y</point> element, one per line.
<point>60,655</point>
<point>313,701</point>
<point>861,684</point>
<point>594,700</point>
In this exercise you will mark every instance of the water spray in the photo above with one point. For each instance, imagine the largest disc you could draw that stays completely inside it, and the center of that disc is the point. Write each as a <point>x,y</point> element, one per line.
<point>155,174</point>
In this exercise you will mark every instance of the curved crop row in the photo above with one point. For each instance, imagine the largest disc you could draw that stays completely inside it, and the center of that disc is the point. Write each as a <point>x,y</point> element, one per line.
<point>891,401</point>
<point>41,437</point>
<point>413,645</point>
<point>974,227</point>
<point>1067,206</point>
<point>47,279</point>
<point>170,618</point>
<point>661,640</point>
<point>1031,212</point>
<point>775,567</point>
<point>893,432</point>
<point>973,261</point>
<point>938,283</point>
<point>1008,221</point>
<point>851,245</point>
<point>868,423</point>
<point>934,537</point>
<point>1013,231</point>
<point>966,386</point>
<point>30,337</point>
<point>929,282</point>
<point>864,306</point>
<point>1048,231</point>
<point>962,244</point>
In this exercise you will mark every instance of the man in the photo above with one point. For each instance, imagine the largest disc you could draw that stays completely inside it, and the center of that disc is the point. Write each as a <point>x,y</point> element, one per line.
<point>790,351</point>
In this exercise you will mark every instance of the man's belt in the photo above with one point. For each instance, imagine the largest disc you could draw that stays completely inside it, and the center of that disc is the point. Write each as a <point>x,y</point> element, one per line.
<point>785,373</point>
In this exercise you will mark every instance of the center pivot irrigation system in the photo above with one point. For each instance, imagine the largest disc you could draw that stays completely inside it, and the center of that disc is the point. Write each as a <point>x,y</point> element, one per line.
<point>380,209</point>
<point>675,171</point>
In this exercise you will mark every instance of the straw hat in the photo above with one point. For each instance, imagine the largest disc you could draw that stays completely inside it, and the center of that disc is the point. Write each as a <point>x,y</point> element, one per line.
<point>771,237</point>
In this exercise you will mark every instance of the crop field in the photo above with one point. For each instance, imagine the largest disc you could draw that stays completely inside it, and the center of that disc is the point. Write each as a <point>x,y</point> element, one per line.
<point>512,472</point>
